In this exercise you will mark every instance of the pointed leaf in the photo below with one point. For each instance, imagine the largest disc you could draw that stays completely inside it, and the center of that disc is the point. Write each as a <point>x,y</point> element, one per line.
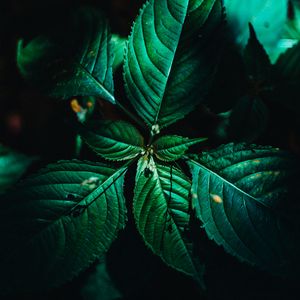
<point>161,211</point>
<point>165,76</point>
<point>113,140</point>
<point>257,63</point>
<point>268,17</point>
<point>247,198</point>
<point>56,223</point>
<point>248,119</point>
<point>172,147</point>
<point>77,63</point>
<point>12,166</point>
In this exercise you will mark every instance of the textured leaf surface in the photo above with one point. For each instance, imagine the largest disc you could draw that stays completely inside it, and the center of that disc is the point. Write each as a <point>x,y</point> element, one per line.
<point>161,211</point>
<point>165,77</point>
<point>114,140</point>
<point>119,44</point>
<point>248,200</point>
<point>77,62</point>
<point>56,223</point>
<point>248,119</point>
<point>12,166</point>
<point>172,147</point>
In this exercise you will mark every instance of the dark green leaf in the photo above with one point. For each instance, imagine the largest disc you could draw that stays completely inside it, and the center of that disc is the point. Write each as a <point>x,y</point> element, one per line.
<point>12,166</point>
<point>165,77</point>
<point>114,140</point>
<point>288,63</point>
<point>256,60</point>
<point>56,223</point>
<point>248,119</point>
<point>99,284</point>
<point>78,63</point>
<point>161,211</point>
<point>247,198</point>
<point>172,147</point>
<point>268,17</point>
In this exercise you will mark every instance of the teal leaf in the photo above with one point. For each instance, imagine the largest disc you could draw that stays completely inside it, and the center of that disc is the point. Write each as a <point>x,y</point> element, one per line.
<point>246,197</point>
<point>119,45</point>
<point>164,76</point>
<point>172,147</point>
<point>248,119</point>
<point>161,211</point>
<point>12,166</point>
<point>58,222</point>
<point>288,63</point>
<point>268,18</point>
<point>256,60</point>
<point>113,140</point>
<point>77,63</point>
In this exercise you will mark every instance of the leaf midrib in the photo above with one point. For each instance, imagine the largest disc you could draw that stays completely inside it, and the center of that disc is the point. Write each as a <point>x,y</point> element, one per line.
<point>230,184</point>
<point>67,212</point>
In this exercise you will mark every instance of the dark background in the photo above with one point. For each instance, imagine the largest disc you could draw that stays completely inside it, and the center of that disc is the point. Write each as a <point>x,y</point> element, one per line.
<point>36,125</point>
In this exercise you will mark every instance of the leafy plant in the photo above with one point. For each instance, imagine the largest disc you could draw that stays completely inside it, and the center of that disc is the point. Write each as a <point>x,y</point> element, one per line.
<point>56,223</point>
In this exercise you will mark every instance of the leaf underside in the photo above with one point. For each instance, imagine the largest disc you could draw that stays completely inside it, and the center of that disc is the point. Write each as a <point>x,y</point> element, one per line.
<point>164,76</point>
<point>58,222</point>
<point>161,212</point>
<point>113,140</point>
<point>77,63</point>
<point>246,197</point>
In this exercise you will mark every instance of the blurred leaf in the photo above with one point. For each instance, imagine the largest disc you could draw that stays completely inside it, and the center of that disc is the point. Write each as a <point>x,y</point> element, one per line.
<point>74,62</point>
<point>99,285</point>
<point>256,60</point>
<point>268,18</point>
<point>248,119</point>
<point>12,166</point>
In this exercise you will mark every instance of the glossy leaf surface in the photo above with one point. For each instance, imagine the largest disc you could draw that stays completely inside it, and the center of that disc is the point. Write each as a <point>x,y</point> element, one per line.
<point>246,197</point>
<point>172,147</point>
<point>58,222</point>
<point>165,77</point>
<point>161,211</point>
<point>113,140</point>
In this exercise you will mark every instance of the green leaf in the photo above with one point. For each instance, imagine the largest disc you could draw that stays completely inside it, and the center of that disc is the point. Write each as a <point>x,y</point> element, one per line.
<point>268,17</point>
<point>247,198</point>
<point>288,63</point>
<point>113,140</point>
<point>58,222</point>
<point>12,166</point>
<point>74,62</point>
<point>99,285</point>
<point>172,147</point>
<point>161,211</point>
<point>248,119</point>
<point>119,45</point>
<point>256,60</point>
<point>165,77</point>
